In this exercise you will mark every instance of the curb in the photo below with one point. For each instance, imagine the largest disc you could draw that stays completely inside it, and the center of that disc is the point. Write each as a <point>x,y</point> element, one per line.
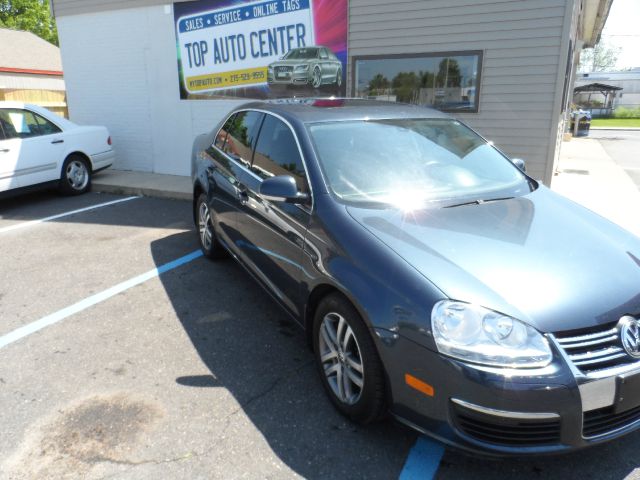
<point>143,191</point>
<point>630,129</point>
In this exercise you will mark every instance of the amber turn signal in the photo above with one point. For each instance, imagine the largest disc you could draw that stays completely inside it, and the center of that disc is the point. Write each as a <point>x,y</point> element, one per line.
<point>419,385</point>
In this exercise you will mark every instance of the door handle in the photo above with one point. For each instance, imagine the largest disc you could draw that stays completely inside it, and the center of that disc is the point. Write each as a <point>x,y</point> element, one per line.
<point>243,196</point>
<point>4,150</point>
<point>57,141</point>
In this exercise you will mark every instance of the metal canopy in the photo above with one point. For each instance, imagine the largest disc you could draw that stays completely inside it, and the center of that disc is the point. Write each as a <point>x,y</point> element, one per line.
<point>603,88</point>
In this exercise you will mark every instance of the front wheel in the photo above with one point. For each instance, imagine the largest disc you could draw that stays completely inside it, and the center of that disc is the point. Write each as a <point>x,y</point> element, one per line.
<point>316,78</point>
<point>349,365</point>
<point>209,244</point>
<point>76,176</point>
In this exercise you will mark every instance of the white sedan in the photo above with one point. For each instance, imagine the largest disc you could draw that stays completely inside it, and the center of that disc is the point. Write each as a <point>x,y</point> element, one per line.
<point>40,148</point>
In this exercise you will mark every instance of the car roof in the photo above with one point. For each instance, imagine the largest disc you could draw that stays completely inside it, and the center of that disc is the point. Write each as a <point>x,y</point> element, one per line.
<point>312,110</point>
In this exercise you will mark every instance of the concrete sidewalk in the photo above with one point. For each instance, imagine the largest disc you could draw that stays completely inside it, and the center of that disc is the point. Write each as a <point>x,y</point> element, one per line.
<point>588,176</point>
<point>142,183</point>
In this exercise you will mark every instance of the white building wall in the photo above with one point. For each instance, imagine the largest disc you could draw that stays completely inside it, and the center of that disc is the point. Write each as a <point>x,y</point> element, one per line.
<point>121,71</point>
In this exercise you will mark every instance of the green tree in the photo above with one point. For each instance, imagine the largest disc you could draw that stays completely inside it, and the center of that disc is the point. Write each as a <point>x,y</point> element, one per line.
<point>406,86</point>
<point>448,73</point>
<point>427,79</point>
<point>378,84</point>
<point>30,15</point>
<point>601,58</point>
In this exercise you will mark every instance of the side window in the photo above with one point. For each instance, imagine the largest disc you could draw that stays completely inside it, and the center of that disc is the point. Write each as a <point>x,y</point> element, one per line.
<point>277,153</point>
<point>19,123</point>
<point>323,54</point>
<point>221,136</point>
<point>241,131</point>
<point>6,126</point>
<point>46,127</point>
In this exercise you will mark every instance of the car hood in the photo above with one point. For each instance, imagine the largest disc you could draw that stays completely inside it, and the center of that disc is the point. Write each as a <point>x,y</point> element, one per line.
<point>290,63</point>
<point>540,258</point>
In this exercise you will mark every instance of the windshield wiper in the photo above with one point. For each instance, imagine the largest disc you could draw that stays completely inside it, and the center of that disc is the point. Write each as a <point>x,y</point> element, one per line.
<point>477,202</point>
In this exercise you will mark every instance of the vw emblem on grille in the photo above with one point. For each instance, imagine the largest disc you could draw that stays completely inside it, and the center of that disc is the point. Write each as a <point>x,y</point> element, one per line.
<point>629,332</point>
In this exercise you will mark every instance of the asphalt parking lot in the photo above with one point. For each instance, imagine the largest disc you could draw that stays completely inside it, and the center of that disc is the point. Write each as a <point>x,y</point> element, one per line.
<point>126,355</point>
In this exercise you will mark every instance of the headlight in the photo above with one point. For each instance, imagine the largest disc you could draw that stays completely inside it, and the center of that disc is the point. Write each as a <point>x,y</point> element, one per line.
<point>475,334</point>
<point>302,68</point>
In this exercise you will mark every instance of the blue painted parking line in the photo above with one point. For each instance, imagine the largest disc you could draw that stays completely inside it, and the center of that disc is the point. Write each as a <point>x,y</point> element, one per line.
<point>423,460</point>
<point>60,315</point>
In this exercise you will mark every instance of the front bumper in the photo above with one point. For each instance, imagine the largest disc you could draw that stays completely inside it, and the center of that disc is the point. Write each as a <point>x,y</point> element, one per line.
<point>290,78</point>
<point>504,411</point>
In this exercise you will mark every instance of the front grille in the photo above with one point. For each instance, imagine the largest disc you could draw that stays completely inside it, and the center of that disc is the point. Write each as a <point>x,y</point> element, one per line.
<point>595,348</point>
<point>604,420</point>
<point>507,431</point>
<point>284,69</point>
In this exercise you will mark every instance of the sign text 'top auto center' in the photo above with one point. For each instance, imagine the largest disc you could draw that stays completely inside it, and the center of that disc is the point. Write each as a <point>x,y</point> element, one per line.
<point>226,45</point>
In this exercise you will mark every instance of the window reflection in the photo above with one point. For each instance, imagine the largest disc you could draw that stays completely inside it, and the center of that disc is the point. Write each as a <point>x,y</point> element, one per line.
<point>446,82</point>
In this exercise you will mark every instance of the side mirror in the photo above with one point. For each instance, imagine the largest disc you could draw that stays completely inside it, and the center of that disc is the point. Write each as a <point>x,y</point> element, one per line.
<point>282,188</point>
<point>518,162</point>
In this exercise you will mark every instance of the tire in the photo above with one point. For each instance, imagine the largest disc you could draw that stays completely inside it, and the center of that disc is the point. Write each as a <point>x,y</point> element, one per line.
<point>316,78</point>
<point>209,244</point>
<point>75,177</point>
<point>361,394</point>
<point>339,78</point>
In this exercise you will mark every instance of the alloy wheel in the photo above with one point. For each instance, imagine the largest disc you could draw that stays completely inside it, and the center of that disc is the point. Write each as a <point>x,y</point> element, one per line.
<point>77,175</point>
<point>341,358</point>
<point>204,226</point>
<point>317,78</point>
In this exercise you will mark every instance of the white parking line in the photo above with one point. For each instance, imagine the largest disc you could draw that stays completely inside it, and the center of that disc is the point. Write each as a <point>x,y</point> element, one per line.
<point>49,320</point>
<point>61,215</point>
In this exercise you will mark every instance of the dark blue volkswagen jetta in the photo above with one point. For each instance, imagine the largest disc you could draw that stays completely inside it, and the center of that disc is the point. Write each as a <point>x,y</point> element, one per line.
<point>434,278</point>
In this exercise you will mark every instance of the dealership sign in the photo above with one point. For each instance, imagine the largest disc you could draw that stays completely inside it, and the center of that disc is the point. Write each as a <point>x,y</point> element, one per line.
<point>226,45</point>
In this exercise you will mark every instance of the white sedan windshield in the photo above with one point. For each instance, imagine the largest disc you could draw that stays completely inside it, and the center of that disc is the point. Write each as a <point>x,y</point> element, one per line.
<point>404,161</point>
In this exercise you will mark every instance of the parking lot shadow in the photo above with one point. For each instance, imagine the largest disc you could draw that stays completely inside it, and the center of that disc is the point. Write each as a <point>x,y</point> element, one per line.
<point>259,355</point>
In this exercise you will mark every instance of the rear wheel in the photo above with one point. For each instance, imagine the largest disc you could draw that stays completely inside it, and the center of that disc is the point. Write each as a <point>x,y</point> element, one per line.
<point>76,176</point>
<point>347,360</point>
<point>209,244</point>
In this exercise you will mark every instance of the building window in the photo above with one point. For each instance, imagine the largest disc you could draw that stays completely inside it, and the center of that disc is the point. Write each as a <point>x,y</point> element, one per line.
<point>448,81</point>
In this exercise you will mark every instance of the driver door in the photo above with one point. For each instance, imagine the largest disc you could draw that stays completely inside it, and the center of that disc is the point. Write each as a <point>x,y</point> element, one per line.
<point>272,233</point>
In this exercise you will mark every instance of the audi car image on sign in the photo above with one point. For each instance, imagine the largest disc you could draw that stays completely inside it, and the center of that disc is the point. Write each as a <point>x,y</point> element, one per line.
<point>315,66</point>
<point>39,148</point>
<point>435,280</point>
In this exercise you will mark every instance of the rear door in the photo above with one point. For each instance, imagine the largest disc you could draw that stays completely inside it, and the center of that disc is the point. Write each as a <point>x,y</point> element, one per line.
<point>329,69</point>
<point>231,154</point>
<point>271,233</point>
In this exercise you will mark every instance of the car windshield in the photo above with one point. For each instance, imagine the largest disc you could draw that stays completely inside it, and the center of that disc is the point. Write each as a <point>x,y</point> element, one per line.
<point>411,162</point>
<point>301,54</point>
